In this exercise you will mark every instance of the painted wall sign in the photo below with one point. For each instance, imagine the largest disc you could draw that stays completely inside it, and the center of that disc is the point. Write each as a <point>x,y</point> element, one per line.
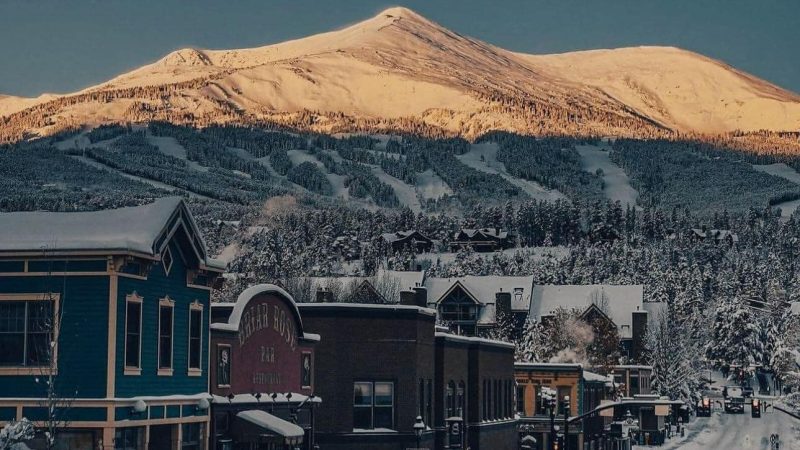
<point>266,353</point>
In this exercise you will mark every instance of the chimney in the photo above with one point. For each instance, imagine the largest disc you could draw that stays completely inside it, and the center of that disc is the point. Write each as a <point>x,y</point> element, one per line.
<point>502,304</point>
<point>324,296</point>
<point>421,293</point>
<point>408,297</point>
<point>638,333</point>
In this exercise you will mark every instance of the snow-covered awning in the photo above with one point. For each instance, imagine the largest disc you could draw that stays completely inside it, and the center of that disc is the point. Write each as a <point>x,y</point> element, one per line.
<point>291,433</point>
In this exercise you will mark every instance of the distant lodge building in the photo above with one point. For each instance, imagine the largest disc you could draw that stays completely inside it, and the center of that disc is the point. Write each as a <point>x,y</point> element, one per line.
<point>262,373</point>
<point>405,240</point>
<point>472,304</point>
<point>482,239</point>
<point>386,365</point>
<point>124,296</point>
<point>714,236</point>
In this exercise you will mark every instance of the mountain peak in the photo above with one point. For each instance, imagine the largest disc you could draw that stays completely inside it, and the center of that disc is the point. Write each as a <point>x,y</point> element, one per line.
<point>399,11</point>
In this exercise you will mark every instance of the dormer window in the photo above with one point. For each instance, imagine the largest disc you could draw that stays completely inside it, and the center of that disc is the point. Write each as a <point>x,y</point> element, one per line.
<point>166,260</point>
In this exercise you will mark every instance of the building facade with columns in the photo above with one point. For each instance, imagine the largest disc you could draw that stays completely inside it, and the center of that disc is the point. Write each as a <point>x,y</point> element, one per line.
<point>104,321</point>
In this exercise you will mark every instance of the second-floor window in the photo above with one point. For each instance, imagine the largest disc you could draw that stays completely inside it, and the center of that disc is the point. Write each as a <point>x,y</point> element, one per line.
<point>458,307</point>
<point>26,330</point>
<point>166,309</point>
<point>373,405</point>
<point>195,337</point>
<point>133,332</point>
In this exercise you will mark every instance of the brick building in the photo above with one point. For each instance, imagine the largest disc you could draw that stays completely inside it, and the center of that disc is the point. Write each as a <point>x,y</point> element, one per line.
<point>385,365</point>
<point>262,373</point>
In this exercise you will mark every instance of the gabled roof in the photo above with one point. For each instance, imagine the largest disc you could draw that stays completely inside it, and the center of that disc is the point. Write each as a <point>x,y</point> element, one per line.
<point>484,232</point>
<point>623,300</point>
<point>401,235</point>
<point>140,229</point>
<point>484,288</point>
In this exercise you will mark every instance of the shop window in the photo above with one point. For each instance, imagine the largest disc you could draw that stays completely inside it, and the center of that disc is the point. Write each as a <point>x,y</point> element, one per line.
<point>450,401</point>
<point>191,436</point>
<point>373,405</point>
<point>195,338</point>
<point>224,359</point>
<point>26,330</point>
<point>133,334</point>
<point>166,313</point>
<point>563,392</point>
<point>130,438</point>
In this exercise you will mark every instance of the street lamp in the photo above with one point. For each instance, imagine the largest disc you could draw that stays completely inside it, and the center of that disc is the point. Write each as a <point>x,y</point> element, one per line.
<point>566,422</point>
<point>419,428</point>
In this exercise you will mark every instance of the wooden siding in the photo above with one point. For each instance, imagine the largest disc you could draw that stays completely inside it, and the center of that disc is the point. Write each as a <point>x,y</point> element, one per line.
<point>158,285</point>
<point>81,355</point>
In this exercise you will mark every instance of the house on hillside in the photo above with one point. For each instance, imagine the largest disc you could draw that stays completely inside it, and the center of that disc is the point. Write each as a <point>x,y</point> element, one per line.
<point>714,236</point>
<point>623,306</point>
<point>482,239</point>
<point>401,240</point>
<point>113,305</point>
<point>474,303</point>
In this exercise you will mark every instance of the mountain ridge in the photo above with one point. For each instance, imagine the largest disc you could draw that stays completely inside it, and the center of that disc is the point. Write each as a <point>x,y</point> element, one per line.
<point>400,70</point>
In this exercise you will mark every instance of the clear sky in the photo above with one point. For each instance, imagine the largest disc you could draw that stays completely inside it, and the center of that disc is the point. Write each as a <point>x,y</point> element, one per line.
<point>65,45</point>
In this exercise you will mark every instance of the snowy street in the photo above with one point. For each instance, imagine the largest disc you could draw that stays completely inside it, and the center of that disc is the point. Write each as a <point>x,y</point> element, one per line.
<point>737,431</point>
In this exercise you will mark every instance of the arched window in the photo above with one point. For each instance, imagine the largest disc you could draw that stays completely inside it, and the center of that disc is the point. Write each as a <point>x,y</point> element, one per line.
<point>461,399</point>
<point>450,404</point>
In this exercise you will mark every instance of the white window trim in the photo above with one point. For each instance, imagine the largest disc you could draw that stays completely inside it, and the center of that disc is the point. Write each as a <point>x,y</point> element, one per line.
<point>52,368</point>
<point>166,371</point>
<point>194,371</point>
<point>133,298</point>
<point>171,258</point>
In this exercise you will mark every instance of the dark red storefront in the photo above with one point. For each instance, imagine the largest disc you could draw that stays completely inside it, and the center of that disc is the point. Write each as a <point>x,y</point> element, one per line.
<point>262,373</point>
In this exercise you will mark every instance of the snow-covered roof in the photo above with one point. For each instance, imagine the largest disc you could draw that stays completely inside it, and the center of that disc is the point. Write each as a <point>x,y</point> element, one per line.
<point>368,307</point>
<point>269,422</point>
<point>487,232</point>
<point>245,297</point>
<point>591,376</point>
<point>622,301</point>
<point>133,229</point>
<point>400,235</point>
<point>484,289</point>
<point>474,340</point>
<point>548,366</point>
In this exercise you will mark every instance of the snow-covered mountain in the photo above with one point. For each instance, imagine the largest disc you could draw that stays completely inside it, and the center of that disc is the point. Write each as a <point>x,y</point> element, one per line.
<point>398,70</point>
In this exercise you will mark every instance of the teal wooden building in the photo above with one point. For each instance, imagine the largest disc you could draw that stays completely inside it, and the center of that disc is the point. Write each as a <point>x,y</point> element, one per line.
<point>104,321</point>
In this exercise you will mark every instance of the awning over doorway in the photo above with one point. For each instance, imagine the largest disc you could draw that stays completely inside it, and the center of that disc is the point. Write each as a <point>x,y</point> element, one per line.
<point>287,432</point>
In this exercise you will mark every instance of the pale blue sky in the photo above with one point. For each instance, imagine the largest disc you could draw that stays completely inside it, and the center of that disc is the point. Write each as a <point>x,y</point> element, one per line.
<point>65,45</point>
